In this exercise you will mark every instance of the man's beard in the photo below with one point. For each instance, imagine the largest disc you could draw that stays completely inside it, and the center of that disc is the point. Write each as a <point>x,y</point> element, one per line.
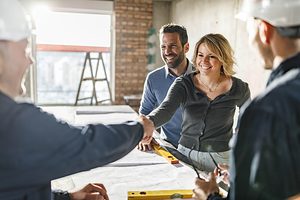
<point>176,63</point>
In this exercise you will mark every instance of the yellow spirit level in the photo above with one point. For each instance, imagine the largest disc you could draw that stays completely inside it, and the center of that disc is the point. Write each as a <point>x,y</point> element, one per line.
<point>164,153</point>
<point>160,194</point>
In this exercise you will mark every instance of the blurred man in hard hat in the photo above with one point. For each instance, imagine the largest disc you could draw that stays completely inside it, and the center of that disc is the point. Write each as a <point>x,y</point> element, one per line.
<point>266,151</point>
<point>34,147</point>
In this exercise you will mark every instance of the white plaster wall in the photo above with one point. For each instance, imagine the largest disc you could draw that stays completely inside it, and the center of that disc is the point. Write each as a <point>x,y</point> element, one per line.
<point>217,16</point>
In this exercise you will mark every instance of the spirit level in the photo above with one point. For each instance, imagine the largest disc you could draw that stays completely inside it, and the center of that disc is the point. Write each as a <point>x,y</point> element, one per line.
<point>160,194</point>
<point>164,153</point>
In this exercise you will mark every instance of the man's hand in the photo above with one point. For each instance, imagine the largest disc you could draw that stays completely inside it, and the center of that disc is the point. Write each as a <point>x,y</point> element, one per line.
<point>224,171</point>
<point>92,191</point>
<point>146,147</point>
<point>204,188</point>
<point>148,129</point>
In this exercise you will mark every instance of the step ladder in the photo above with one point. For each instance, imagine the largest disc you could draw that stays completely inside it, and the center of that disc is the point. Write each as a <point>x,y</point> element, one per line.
<point>93,78</point>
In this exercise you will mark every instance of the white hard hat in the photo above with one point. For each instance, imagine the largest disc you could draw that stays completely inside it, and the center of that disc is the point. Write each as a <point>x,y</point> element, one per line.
<point>14,24</point>
<point>279,13</point>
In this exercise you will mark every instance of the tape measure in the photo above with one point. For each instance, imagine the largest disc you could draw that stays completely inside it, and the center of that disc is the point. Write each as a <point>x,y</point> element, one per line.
<point>164,153</point>
<point>160,194</point>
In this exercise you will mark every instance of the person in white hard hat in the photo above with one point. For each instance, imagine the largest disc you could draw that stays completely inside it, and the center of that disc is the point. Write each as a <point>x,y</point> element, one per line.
<point>36,148</point>
<point>266,151</point>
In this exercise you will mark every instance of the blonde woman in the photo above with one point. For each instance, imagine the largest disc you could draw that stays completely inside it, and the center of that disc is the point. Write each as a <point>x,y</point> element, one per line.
<point>208,98</point>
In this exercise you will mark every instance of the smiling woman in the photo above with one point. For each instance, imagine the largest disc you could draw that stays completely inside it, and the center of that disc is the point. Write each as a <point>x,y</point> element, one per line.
<point>213,59</point>
<point>208,98</point>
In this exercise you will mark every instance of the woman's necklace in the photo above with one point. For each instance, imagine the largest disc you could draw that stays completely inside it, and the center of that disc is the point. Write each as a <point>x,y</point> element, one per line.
<point>211,89</point>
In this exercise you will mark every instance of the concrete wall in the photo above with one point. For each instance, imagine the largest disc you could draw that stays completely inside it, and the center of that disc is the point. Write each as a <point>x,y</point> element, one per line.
<point>217,16</point>
<point>161,16</point>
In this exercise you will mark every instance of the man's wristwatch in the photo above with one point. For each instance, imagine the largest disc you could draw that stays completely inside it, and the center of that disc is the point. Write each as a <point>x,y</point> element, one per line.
<point>60,195</point>
<point>214,196</point>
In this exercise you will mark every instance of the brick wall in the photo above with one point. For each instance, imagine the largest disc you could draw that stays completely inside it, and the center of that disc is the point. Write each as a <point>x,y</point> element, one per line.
<point>132,21</point>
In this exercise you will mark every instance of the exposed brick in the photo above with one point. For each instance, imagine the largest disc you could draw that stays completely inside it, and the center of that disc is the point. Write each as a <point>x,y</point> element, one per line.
<point>132,23</point>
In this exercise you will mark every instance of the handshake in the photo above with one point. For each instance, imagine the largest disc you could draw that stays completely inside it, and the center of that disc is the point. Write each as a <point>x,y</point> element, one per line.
<point>149,128</point>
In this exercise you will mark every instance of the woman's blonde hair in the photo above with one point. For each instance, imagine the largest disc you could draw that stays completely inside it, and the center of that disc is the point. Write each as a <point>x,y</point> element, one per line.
<point>220,46</point>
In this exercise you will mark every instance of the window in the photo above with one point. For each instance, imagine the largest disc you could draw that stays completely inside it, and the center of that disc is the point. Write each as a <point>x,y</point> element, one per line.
<point>63,38</point>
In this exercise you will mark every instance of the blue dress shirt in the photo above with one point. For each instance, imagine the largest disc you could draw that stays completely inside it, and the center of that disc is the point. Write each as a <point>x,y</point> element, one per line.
<point>156,87</point>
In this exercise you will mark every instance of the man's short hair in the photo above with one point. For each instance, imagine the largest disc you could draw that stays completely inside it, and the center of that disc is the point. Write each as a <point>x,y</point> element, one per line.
<point>175,28</point>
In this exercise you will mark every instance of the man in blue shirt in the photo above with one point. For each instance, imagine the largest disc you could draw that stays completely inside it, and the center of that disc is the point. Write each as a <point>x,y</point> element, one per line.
<point>173,47</point>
